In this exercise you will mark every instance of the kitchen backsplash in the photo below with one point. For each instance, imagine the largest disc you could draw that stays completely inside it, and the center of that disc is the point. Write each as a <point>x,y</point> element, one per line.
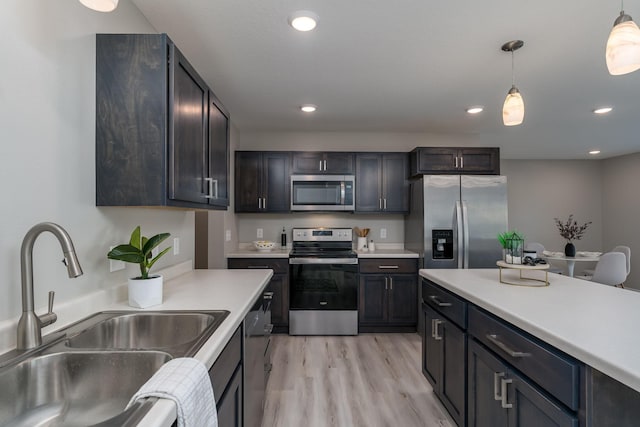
<point>271,225</point>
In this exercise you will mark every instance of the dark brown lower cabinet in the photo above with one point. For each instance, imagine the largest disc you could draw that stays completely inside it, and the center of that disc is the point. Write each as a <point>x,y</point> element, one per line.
<point>387,301</point>
<point>443,361</point>
<point>226,378</point>
<point>499,396</point>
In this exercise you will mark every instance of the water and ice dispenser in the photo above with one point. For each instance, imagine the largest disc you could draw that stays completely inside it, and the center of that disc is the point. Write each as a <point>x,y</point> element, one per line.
<point>442,244</point>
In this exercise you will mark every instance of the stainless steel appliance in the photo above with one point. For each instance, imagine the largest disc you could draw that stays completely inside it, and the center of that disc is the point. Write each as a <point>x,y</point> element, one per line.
<point>454,220</point>
<point>323,192</point>
<point>324,282</point>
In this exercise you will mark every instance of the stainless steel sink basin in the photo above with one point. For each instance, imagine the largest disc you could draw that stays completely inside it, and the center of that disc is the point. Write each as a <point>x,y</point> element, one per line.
<point>73,388</point>
<point>171,331</point>
<point>88,371</point>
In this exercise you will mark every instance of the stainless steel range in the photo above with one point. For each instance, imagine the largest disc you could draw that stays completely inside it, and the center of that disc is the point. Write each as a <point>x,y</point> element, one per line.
<point>324,282</point>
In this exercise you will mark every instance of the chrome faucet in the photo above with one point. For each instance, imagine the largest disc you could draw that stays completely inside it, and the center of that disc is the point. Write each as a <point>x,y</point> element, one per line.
<point>30,324</point>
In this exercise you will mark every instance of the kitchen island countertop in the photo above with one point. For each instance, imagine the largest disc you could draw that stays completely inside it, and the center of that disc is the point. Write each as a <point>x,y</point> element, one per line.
<point>596,324</point>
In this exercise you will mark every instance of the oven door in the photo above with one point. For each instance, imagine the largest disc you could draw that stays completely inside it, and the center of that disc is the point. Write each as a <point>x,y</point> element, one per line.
<point>322,193</point>
<point>323,284</point>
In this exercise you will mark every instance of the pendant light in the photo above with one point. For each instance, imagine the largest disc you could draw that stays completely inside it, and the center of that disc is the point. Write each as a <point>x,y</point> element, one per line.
<point>623,46</point>
<point>101,5</point>
<point>513,108</point>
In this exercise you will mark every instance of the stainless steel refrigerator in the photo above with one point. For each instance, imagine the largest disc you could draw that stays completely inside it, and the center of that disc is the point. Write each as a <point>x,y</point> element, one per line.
<point>454,220</point>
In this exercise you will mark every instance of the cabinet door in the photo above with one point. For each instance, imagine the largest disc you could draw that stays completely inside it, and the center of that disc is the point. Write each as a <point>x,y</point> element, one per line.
<point>279,285</point>
<point>479,160</point>
<point>403,299</point>
<point>431,348</point>
<point>531,408</point>
<point>395,184</point>
<point>454,376</point>
<point>276,182</point>
<point>485,373</point>
<point>368,183</point>
<point>229,407</point>
<point>188,110</point>
<point>217,190</point>
<point>248,181</point>
<point>338,163</point>
<point>307,162</point>
<point>373,298</point>
<point>437,160</point>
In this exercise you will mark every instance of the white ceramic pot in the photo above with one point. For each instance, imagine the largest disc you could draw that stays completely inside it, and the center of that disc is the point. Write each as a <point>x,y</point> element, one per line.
<point>145,293</point>
<point>362,243</point>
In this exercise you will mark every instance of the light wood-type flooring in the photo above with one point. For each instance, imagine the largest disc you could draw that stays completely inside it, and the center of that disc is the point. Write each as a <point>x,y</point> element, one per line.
<point>367,380</point>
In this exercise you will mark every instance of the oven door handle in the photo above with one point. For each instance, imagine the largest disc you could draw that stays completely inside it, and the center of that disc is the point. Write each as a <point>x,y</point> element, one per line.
<point>348,261</point>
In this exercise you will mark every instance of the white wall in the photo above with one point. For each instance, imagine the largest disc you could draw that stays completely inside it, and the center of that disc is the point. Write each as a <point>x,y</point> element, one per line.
<point>47,172</point>
<point>621,207</point>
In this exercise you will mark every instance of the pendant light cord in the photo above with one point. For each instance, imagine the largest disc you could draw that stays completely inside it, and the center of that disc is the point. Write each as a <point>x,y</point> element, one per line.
<point>513,72</point>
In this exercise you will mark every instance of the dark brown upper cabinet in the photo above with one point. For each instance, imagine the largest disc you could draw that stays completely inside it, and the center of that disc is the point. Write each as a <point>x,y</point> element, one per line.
<point>451,160</point>
<point>382,182</point>
<point>308,162</point>
<point>162,136</point>
<point>262,181</point>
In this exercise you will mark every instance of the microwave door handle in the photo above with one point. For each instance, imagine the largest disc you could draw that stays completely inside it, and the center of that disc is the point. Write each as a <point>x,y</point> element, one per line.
<point>343,193</point>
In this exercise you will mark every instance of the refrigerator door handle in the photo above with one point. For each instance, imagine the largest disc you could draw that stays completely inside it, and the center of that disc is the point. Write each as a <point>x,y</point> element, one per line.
<point>459,232</point>
<point>465,232</point>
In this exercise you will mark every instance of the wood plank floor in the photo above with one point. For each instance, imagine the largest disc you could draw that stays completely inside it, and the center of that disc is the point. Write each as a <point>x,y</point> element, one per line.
<point>366,380</point>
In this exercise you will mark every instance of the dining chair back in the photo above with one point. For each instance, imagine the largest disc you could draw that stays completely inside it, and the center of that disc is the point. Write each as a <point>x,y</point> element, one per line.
<point>611,269</point>
<point>626,250</point>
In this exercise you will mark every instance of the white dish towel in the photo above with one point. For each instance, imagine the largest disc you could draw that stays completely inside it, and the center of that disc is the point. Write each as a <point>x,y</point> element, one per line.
<point>185,381</point>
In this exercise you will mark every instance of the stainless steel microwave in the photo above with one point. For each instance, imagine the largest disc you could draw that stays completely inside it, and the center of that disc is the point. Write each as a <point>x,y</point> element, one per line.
<point>323,193</point>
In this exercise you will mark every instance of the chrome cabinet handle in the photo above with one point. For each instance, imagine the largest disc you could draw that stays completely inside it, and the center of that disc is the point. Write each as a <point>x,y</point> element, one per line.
<point>438,302</point>
<point>388,267</point>
<point>437,323</point>
<point>267,295</point>
<point>461,162</point>
<point>502,346</point>
<point>385,204</point>
<point>386,283</point>
<point>323,303</point>
<point>259,202</point>
<point>456,162</point>
<point>380,203</point>
<point>503,391</point>
<point>258,266</point>
<point>391,283</point>
<point>325,165</point>
<point>264,203</point>
<point>213,188</point>
<point>433,328</point>
<point>496,385</point>
<point>320,165</point>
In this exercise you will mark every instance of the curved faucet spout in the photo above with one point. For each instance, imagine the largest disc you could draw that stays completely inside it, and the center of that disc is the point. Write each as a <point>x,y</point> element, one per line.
<point>30,325</point>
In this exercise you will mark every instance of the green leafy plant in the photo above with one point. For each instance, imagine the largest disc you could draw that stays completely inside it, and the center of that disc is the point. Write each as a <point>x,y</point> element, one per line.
<point>506,238</point>
<point>138,251</point>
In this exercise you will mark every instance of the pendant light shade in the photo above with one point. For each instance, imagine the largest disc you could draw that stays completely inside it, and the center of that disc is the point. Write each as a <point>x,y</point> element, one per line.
<point>101,5</point>
<point>623,46</point>
<point>513,108</point>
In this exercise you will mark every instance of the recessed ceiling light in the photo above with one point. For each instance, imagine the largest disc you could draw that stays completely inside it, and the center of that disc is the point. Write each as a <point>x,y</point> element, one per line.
<point>602,110</point>
<point>309,108</point>
<point>475,109</point>
<point>594,152</point>
<point>303,20</point>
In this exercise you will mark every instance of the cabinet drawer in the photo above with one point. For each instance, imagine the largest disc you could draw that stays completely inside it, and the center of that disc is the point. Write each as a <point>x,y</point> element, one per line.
<point>450,305</point>
<point>551,369</point>
<point>388,265</point>
<point>278,265</point>
<point>225,365</point>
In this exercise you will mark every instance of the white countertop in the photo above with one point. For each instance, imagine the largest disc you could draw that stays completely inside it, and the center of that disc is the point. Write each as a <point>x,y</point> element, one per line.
<point>596,324</point>
<point>284,253</point>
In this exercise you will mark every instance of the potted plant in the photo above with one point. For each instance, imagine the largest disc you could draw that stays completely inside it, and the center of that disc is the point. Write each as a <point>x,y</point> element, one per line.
<point>570,231</point>
<point>144,290</point>
<point>512,244</point>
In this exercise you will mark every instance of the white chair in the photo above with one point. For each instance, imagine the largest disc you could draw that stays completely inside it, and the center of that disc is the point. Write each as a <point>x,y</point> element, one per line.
<point>626,250</point>
<point>611,269</point>
<point>539,248</point>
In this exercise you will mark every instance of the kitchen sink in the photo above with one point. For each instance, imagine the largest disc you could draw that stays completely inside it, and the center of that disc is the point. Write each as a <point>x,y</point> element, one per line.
<point>86,373</point>
<point>73,388</point>
<point>176,332</point>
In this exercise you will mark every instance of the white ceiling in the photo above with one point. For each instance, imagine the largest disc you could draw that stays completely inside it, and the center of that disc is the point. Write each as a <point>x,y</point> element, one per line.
<point>414,66</point>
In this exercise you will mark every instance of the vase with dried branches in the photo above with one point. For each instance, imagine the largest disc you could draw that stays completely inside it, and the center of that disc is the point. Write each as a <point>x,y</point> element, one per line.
<point>570,231</point>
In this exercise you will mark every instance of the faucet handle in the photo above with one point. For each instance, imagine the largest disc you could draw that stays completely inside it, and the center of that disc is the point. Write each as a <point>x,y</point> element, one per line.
<point>50,317</point>
<point>52,295</point>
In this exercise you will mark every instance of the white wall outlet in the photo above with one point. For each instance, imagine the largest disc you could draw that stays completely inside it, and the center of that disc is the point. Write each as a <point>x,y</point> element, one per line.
<point>383,233</point>
<point>227,236</point>
<point>176,245</point>
<point>115,265</point>
<point>260,233</point>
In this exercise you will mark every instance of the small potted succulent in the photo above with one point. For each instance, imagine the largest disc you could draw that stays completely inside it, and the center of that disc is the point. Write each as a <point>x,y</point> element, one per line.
<point>570,231</point>
<point>512,244</point>
<point>144,290</point>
